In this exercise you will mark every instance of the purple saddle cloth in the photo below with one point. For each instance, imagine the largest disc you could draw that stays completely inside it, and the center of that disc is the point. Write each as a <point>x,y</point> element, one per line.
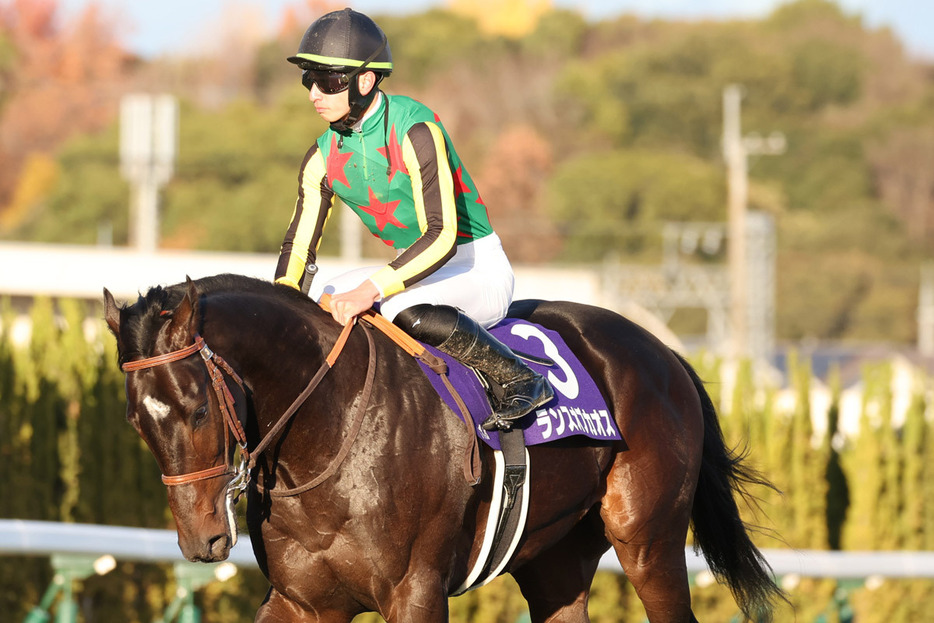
<point>578,407</point>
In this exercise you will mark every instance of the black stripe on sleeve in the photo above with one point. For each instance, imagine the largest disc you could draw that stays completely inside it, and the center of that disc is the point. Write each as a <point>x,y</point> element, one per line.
<point>429,161</point>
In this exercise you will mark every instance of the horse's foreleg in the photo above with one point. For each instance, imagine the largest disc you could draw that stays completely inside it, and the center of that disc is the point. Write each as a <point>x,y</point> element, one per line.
<point>279,609</point>
<point>419,598</point>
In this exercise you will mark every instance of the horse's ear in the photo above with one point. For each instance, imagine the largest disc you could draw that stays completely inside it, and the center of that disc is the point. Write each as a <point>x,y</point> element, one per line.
<point>185,317</point>
<point>112,313</point>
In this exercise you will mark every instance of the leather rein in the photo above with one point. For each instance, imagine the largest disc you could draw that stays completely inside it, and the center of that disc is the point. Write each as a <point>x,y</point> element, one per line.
<point>216,368</point>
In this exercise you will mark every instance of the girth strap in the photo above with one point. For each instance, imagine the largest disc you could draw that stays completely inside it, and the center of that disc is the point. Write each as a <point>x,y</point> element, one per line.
<point>508,511</point>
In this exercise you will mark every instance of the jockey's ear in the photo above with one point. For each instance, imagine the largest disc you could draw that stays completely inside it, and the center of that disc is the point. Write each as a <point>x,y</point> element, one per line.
<point>184,324</point>
<point>366,82</point>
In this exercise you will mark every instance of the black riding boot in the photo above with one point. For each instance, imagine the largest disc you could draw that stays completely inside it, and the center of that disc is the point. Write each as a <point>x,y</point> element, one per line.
<point>456,334</point>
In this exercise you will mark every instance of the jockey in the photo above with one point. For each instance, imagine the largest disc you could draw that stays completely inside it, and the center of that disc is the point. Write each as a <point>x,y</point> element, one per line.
<point>391,161</point>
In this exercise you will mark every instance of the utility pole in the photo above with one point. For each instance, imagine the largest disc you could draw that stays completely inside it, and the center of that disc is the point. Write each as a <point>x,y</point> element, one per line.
<point>148,144</point>
<point>736,152</point>
<point>737,188</point>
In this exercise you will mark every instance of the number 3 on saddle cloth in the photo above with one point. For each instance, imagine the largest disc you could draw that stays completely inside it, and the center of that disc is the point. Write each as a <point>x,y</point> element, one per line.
<point>578,408</point>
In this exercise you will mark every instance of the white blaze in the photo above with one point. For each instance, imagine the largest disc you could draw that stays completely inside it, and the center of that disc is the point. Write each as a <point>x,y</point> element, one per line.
<point>157,409</point>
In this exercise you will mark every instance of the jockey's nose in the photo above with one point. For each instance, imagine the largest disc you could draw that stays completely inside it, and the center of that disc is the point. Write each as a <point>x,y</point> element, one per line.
<point>314,93</point>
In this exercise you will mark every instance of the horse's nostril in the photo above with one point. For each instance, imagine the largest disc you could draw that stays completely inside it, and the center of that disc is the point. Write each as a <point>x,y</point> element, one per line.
<point>218,546</point>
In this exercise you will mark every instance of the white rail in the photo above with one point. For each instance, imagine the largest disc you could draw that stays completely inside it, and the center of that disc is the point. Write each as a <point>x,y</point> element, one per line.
<point>42,538</point>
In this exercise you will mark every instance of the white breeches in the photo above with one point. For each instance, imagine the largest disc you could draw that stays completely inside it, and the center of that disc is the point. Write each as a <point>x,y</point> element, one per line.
<point>478,280</point>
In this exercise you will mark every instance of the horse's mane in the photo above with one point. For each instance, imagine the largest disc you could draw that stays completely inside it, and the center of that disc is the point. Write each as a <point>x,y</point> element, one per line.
<point>141,321</point>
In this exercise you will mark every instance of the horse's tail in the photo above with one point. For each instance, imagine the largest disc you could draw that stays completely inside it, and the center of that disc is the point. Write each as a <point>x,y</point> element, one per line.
<point>719,531</point>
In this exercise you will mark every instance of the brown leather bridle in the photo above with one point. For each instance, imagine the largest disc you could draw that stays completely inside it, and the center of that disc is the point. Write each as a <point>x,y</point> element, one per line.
<point>225,400</point>
<point>216,367</point>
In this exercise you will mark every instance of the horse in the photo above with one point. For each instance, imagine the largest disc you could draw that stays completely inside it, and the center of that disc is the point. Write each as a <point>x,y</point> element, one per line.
<point>373,512</point>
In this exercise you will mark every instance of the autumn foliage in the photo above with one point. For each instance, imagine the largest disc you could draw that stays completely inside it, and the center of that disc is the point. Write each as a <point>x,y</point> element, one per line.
<point>58,80</point>
<point>585,137</point>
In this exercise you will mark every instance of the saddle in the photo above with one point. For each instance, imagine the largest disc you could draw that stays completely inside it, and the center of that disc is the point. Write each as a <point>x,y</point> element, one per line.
<point>578,407</point>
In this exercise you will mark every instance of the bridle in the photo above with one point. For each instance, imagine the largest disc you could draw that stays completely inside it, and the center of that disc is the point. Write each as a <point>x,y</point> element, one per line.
<point>225,400</point>
<point>216,368</point>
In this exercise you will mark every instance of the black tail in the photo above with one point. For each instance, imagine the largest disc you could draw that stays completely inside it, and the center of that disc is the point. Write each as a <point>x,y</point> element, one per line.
<point>719,531</point>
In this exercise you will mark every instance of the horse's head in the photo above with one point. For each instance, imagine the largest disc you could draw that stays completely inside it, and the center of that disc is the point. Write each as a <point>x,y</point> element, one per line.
<point>173,406</point>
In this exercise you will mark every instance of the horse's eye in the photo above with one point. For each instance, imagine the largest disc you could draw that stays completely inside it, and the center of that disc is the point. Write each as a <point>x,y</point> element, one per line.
<point>200,414</point>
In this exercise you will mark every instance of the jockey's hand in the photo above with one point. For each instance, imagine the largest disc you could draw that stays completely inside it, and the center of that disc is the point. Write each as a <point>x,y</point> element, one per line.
<point>348,304</point>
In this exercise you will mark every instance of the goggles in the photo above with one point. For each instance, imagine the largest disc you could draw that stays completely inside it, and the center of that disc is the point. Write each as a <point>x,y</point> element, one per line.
<point>329,82</point>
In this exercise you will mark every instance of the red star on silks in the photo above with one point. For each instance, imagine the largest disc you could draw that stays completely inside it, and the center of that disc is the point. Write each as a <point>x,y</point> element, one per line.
<point>460,188</point>
<point>336,163</point>
<point>393,153</point>
<point>384,213</point>
<point>388,243</point>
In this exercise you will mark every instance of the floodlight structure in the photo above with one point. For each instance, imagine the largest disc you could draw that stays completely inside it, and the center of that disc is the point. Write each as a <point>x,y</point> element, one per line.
<point>148,144</point>
<point>68,568</point>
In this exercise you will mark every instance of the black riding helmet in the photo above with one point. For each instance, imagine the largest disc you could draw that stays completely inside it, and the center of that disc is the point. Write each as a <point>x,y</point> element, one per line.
<point>346,42</point>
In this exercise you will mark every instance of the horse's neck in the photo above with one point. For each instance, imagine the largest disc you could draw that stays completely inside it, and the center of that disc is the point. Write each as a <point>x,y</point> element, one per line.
<point>279,374</point>
<point>276,368</point>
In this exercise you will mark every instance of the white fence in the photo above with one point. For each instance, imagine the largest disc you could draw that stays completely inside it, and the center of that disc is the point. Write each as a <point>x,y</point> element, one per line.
<point>79,550</point>
<point>42,538</point>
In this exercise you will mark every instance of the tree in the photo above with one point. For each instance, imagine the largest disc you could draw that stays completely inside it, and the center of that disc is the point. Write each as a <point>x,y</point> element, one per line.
<point>617,201</point>
<point>511,18</point>
<point>512,182</point>
<point>903,163</point>
<point>66,80</point>
<point>838,490</point>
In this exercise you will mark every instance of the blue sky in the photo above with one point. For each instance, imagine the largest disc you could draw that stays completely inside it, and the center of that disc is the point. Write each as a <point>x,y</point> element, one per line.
<point>158,26</point>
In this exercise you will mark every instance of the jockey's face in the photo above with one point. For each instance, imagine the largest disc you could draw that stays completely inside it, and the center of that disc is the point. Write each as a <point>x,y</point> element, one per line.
<point>331,107</point>
<point>335,107</point>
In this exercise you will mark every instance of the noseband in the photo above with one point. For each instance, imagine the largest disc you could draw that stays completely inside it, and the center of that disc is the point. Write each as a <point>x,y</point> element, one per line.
<point>217,367</point>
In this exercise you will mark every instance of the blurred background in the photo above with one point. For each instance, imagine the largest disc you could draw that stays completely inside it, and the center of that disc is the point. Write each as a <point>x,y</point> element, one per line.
<point>751,180</point>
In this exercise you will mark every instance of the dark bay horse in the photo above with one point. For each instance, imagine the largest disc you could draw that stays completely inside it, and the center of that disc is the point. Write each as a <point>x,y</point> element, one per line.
<point>389,523</point>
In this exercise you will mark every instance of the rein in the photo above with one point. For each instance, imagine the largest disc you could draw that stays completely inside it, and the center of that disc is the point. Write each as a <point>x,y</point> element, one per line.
<point>215,364</point>
<point>351,434</point>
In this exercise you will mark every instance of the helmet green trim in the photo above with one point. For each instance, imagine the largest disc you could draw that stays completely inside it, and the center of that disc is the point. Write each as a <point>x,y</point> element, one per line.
<point>333,61</point>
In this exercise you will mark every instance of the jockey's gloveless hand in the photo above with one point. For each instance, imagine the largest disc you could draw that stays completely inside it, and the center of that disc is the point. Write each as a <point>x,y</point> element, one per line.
<point>346,305</point>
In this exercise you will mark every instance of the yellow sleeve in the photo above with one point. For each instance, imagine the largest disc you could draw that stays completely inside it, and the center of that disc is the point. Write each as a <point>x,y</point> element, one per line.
<point>309,218</point>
